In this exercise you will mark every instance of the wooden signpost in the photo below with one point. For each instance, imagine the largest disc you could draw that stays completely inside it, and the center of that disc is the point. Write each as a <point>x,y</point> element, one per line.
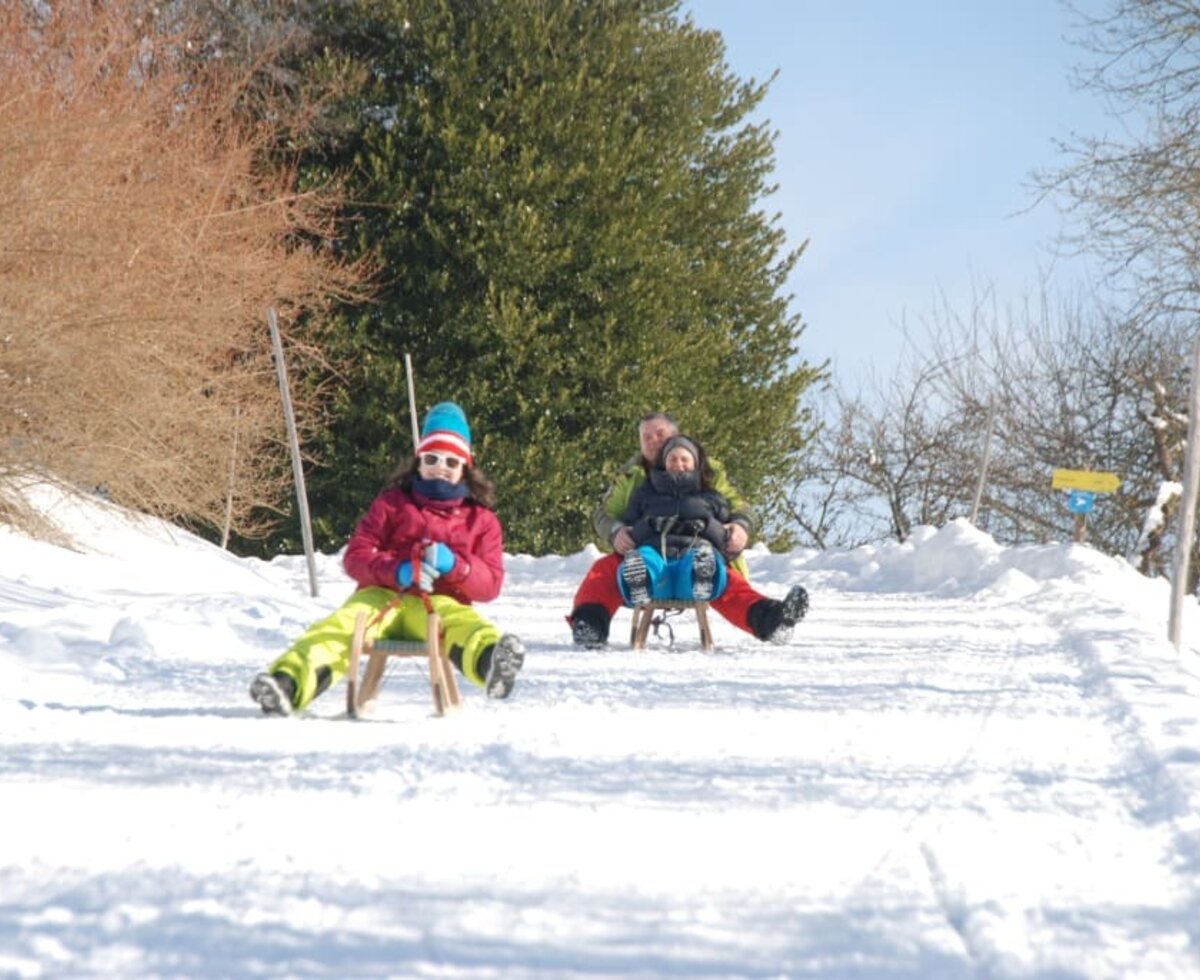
<point>1083,485</point>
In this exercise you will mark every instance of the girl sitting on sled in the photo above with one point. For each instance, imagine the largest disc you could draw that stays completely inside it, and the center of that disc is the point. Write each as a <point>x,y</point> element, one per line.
<point>431,531</point>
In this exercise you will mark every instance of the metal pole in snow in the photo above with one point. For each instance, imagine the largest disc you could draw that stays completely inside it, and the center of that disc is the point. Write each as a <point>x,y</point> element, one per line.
<point>294,441</point>
<point>412,401</point>
<point>1187,506</point>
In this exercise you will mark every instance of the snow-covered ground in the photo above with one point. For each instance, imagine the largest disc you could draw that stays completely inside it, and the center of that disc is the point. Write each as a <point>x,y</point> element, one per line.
<point>971,761</point>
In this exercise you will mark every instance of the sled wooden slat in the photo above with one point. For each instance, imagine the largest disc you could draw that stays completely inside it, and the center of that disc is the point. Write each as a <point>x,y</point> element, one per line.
<point>643,616</point>
<point>361,694</point>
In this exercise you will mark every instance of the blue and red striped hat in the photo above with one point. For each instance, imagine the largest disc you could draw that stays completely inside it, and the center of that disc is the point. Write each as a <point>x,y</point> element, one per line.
<point>446,431</point>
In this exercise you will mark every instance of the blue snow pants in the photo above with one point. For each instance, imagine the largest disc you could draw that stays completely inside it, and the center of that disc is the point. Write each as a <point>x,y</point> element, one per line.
<point>672,578</point>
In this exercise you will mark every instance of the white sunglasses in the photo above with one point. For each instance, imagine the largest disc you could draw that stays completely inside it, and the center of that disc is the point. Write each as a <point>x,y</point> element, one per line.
<point>441,459</point>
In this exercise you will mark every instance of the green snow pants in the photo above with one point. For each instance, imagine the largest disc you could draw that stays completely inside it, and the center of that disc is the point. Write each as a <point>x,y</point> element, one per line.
<point>321,657</point>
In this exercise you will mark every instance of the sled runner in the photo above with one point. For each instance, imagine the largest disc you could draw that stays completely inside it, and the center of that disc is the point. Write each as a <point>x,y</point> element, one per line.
<point>442,682</point>
<point>654,614</point>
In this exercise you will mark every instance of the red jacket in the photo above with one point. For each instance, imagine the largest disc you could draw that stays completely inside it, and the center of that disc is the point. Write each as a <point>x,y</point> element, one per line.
<point>395,522</point>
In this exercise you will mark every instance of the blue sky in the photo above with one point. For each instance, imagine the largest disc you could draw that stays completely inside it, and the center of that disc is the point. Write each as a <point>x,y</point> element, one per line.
<point>907,137</point>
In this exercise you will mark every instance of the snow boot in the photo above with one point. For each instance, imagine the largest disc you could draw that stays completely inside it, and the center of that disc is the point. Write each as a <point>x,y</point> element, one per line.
<point>589,625</point>
<point>274,693</point>
<point>704,574</point>
<point>772,620</point>
<point>507,657</point>
<point>636,578</point>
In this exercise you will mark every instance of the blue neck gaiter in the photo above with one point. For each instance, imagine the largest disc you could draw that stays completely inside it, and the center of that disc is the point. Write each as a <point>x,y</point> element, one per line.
<point>439,493</point>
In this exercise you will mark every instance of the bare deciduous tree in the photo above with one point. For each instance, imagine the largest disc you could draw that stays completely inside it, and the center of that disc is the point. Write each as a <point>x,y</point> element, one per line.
<point>1137,193</point>
<point>1074,388</point>
<point>888,459</point>
<point>1078,386</point>
<point>143,232</point>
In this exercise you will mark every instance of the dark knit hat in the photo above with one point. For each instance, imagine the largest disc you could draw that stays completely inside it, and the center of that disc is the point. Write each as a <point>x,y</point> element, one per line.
<point>678,442</point>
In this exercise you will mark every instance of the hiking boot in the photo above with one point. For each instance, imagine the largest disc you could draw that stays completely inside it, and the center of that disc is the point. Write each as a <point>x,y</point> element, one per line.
<point>704,573</point>
<point>636,578</point>
<point>795,605</point>
<point>589,626</point>
<point>507,657</point>
<point>585,633</point>
<point>274,693</point>
<point>772,620</point>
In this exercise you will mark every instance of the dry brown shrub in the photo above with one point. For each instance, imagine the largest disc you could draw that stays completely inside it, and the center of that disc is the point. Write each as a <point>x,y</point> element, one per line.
<point>142,237</point>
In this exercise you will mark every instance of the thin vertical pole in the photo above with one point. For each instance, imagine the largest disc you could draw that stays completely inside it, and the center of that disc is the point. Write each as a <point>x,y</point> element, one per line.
<point>1187,506</point>
<point>412,400</point>
<point>294,441</point>
<point>237,414</point>
<point>987,459</point>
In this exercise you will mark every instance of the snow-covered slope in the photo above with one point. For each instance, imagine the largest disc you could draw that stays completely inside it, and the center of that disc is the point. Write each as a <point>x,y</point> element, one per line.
<point>970,761</point>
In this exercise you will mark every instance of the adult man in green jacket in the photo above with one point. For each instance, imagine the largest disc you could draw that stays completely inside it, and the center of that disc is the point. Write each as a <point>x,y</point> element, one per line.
<point>599,596</point>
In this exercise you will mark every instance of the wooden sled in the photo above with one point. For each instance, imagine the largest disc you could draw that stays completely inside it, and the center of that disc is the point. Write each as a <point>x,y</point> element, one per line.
<point>643,617</point>
<point>360,697</point>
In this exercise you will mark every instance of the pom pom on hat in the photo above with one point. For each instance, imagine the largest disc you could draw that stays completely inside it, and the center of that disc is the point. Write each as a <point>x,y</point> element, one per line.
<point>446,431</point>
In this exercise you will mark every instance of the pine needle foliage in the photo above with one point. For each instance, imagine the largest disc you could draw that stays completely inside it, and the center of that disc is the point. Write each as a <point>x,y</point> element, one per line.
<point>565,201</point>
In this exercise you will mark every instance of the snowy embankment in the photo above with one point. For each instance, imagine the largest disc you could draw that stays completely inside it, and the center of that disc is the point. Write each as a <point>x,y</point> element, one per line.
<point>970,761</point>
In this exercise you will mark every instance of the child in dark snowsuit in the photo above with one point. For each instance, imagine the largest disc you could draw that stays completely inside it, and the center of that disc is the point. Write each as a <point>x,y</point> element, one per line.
<point>677,521</point>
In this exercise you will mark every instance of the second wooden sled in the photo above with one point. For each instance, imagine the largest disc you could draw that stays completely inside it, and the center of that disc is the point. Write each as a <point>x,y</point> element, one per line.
<point>643,617</point>
<point>442,682</point>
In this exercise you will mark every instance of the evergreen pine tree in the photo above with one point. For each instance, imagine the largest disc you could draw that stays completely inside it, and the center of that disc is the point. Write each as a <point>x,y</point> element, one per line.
<point>564,202</point>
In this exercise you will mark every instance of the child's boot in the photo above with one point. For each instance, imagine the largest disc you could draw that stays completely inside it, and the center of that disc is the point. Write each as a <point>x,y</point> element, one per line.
<point>636,578</point>
<point>507,657</point>
<point>704,573</point>
<point>274,693</point>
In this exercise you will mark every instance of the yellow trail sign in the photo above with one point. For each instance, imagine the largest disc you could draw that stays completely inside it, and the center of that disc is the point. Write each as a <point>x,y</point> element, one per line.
<point>1089,480</point>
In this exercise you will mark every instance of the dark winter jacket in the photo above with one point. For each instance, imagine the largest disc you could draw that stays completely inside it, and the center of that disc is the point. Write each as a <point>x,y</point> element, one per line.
<point>671,512</point>
<point>398,520</point>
